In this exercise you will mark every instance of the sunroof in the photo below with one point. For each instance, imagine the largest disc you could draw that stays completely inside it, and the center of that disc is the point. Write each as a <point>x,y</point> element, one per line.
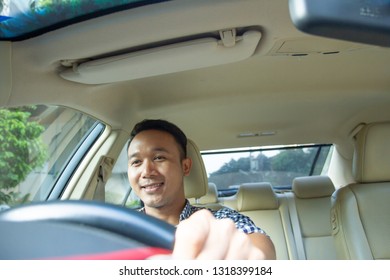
<point>22,19</point>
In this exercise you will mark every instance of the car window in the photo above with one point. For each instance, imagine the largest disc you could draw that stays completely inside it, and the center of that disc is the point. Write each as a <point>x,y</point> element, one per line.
<point>26,18</point>
<point>278,166</point>
<point>38,145</point>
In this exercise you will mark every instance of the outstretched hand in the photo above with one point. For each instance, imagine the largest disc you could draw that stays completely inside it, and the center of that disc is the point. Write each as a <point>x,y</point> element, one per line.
<point>202,236</point>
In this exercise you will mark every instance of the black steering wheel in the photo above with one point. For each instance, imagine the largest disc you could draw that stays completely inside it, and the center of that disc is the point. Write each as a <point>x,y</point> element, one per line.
<point>70,228</point>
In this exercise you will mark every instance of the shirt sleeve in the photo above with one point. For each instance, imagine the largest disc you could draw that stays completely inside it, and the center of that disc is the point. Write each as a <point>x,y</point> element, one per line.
<point>242,222</point>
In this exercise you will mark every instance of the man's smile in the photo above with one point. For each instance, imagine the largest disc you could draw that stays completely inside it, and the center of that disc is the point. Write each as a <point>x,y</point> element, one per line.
<point>153,187</point>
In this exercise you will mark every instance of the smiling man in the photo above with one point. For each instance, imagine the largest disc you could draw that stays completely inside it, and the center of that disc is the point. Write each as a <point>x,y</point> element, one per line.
<point>157,164</point>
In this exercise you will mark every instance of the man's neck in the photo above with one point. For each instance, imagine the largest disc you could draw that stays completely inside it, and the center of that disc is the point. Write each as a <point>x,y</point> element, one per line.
<point>169,214</point>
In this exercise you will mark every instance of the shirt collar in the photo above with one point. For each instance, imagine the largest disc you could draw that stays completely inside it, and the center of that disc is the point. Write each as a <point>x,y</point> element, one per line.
<point>187,211</point>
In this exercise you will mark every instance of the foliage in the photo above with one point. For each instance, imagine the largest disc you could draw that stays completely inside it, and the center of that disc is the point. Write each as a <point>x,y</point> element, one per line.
<point>31,15</point>
<point>294,160</point>
<point>71,8</point>
<point>279,169</point>
<point>21,150</point>
<point>234,166</point>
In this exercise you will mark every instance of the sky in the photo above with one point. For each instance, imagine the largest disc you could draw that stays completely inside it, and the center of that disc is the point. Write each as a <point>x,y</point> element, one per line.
<point>214,162</point>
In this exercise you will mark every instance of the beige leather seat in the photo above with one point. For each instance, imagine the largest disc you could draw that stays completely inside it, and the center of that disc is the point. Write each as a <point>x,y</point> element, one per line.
<point>210,200</point>
<point>361,211</point>
<point>196,183</point>
<point>259,202</point>
<point>312,198</point>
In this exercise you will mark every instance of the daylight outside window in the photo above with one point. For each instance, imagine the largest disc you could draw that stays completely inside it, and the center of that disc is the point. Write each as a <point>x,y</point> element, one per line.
<point>36,144</point>
<point>23,18</point>
<point>278,166</point>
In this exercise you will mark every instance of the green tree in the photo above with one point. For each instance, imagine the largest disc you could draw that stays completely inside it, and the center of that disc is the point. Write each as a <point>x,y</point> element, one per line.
<point>294,160</point>
<point>233,165</point>
<point>264,162</point>
<point>21,150</point>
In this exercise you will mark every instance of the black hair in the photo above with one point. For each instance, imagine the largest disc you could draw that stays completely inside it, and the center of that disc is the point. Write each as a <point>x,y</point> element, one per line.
<point>161,125</point>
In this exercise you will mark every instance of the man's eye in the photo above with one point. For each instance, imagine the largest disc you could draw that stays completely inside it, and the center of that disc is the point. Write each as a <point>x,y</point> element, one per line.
<point>135,162</point>
<point>159,158</point>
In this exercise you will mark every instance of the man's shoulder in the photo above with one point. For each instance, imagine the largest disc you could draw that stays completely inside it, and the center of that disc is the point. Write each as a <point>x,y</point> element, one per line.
<point>225,212</point>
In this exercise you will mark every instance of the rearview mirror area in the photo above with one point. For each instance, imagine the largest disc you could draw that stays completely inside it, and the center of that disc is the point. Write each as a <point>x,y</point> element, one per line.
<point>362,21</point>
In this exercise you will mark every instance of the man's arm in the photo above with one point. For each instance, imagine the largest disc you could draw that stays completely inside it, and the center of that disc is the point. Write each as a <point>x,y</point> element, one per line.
<point>264,243</point>
<point>203,237</point>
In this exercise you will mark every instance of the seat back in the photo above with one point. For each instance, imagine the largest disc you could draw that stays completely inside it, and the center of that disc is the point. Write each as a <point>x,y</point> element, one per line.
<point>210,200</point>
<point>196,183</point>
<point>259,202</point>
<point>360,211</point>
<point>312,198</point>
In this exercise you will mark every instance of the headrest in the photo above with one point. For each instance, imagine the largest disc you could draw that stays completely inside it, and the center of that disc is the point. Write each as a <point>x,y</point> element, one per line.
<point>256,196</point>
<point>313,186</point>
<point>196,183</point>
<point>211,195</point>
<point>371,162</point>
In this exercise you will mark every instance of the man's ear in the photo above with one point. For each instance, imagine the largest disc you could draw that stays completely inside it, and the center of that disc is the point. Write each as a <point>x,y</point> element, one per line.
<point>186,165</point>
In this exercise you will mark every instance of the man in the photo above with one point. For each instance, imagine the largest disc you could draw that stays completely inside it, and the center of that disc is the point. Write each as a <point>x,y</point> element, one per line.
<point>157,164</point>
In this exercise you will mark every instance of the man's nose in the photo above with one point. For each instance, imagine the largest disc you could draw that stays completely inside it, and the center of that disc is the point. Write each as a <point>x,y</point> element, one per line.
<point>148,168</point>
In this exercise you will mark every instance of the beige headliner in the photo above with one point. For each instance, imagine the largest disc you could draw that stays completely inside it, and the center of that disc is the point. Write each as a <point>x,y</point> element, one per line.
<point>305,99</point>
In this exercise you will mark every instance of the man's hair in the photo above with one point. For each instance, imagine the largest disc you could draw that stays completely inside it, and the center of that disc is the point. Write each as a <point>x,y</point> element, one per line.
<point>161,125</point>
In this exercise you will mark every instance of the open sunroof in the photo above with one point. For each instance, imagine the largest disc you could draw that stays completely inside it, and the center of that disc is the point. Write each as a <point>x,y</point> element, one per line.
<point>22,19</point>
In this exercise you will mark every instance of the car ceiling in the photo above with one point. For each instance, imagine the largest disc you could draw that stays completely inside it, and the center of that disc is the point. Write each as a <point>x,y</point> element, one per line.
<point>298,87</point>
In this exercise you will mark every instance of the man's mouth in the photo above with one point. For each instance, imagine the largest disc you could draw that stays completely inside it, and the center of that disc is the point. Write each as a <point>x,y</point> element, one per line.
<point>150,188</point>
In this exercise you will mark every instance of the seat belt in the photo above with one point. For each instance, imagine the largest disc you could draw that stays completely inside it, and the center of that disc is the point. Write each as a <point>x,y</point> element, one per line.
<point>295,225</point>
<point>102,174</point>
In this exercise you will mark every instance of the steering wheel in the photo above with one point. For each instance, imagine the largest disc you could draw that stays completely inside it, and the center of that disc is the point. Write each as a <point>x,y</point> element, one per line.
<point>81,229</point>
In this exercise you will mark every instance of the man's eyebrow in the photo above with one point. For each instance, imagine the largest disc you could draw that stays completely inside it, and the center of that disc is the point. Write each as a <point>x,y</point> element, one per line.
<point>160,149</point>
<point>136,154</point>
<point>157,149</point>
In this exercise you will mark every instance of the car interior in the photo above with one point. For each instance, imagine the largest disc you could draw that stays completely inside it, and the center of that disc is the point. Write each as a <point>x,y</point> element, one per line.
<point>235,75</point>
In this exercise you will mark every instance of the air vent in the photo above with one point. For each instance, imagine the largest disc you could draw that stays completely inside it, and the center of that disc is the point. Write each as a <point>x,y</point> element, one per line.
<point>256,134</point>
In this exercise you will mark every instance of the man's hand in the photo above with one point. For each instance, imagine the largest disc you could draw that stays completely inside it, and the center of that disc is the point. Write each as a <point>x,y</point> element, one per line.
<point>203,237</point>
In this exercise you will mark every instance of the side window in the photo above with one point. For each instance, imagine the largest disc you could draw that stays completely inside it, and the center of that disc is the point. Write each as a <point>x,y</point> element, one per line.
<point>118,189</point>
<point>37,143</point>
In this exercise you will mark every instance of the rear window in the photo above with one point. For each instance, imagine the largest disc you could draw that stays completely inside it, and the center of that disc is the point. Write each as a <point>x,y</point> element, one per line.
<point>278,166</point>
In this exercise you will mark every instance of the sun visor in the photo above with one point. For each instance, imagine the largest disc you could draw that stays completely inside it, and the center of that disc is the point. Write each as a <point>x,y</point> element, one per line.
<point>195,54</point>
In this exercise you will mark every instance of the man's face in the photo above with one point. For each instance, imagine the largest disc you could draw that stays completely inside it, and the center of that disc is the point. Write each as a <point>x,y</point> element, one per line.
<point>156,170</point>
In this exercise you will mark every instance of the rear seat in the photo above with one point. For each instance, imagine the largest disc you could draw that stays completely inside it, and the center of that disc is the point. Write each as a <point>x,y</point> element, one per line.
<point>259,202</point>
<point>312,198</point>
<point>298,221</point>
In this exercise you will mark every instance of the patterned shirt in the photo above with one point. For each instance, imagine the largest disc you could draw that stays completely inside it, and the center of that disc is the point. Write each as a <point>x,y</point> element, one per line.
<point>242,222</point>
